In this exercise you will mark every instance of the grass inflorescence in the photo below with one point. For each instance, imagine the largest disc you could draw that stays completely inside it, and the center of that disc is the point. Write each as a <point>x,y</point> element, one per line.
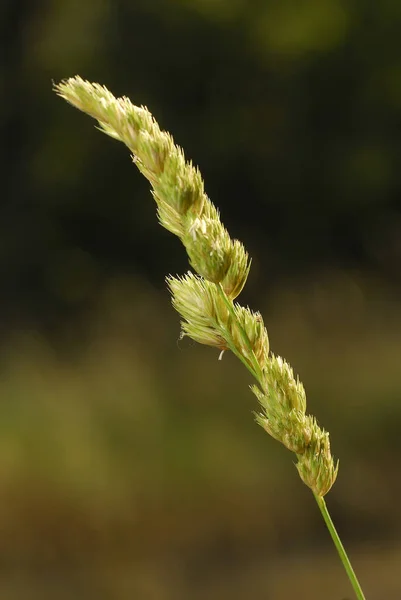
<point>206,297</point>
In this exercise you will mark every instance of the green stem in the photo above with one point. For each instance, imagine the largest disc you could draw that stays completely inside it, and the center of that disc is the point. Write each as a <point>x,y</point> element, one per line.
<point>239,355</point>
<point>340,548</point>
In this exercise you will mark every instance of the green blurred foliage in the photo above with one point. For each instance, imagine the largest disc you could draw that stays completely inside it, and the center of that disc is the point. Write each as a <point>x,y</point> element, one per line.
<point>130,465</point>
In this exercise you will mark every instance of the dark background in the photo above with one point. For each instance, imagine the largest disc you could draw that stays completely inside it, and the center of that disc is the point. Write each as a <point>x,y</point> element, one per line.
<point>130,466</point>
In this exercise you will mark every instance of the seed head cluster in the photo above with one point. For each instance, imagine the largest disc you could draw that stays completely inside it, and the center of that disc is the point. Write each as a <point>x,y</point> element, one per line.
<point>205,299</point>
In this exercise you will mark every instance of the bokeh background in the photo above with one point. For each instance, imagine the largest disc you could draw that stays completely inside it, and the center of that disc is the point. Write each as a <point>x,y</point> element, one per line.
<point>130,465</point>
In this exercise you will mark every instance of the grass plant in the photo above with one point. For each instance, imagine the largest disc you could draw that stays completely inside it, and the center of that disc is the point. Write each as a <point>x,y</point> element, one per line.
<point>206,297</point>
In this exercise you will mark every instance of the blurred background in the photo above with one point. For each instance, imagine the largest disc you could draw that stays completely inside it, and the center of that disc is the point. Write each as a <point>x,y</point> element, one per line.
<point>130,465</point>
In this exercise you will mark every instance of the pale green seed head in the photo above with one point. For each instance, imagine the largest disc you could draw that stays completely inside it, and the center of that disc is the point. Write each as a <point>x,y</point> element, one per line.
<point>287,429</point>
<point>209,247</point>
<point>169,218</point>
<point>209,317</point>
<point>279,376</point>
<point>177,184</point>
<point>199,304</point>
<point>209,210</point>
<point>316,465</point>
<point>182,184</point>
<point>252,323</point>
<point>153,152</point>
<point>238,271</point>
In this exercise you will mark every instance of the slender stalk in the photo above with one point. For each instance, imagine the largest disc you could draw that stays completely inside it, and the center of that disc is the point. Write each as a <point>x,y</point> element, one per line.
<point>340,548</point>
<point>241,358</point>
